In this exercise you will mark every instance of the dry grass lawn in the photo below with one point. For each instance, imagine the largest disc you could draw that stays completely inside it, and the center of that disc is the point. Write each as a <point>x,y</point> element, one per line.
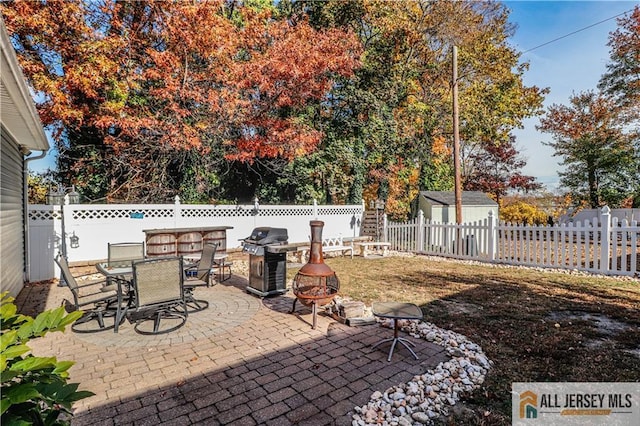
<point>536,326</point>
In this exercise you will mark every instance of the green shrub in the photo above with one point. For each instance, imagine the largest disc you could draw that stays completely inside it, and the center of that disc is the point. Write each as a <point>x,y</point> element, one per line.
<point>34,389</point>
<point>525,213</point>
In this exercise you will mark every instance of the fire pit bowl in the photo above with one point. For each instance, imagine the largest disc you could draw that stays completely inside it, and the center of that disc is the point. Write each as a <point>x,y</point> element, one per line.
<point>311,289</point>
<point>315,284</point>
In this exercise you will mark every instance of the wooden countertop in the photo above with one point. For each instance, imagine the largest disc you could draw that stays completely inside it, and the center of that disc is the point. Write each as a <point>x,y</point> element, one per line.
<point>179,230</point>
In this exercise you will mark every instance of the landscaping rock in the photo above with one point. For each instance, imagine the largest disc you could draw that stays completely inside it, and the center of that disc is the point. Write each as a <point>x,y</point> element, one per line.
<point>434,393</point>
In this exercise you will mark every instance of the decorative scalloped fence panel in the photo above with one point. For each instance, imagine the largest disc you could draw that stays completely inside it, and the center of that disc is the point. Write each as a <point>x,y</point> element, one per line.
<point>603,245</point>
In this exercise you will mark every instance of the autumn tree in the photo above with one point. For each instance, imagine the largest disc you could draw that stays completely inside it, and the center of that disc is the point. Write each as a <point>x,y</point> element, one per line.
<point>596,149</point>
<point>438,171</point>
<point>523,213</point>
<point>397,109</point>
<point>622,78</point>
<point>497,169</point>
<point>51,57</point>
<point>553,204</point>
<point>161,97</point>
<point>38,186</point>
<point>226,99</point>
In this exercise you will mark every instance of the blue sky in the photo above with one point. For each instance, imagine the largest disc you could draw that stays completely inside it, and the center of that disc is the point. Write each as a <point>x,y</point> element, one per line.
<point>570,65</point>
<point>567,66</point>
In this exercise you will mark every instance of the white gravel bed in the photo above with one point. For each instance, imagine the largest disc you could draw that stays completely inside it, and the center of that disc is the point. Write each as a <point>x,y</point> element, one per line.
<point>427,396</point>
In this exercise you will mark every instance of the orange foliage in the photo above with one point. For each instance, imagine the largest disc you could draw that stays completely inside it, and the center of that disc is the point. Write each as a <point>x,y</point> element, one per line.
<point>402,180</point>
<point>370,193</point>
<point>440,148</point>
<point>178,75</point>
<point>403,189</point>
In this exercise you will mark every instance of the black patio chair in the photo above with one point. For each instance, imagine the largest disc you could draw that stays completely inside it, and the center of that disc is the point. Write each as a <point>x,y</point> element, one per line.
<point>158,295</point>
<point>97,299</point>
<point>199,275</point>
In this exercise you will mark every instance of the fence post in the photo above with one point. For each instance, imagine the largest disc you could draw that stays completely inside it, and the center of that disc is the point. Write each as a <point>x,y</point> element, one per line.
<point>491,247</point>
<point>176,210</point>
<point>315,209</point>
<point>385,229</point>
<point>605,239</point>
<point>66,217</point>
<point>420,233</point>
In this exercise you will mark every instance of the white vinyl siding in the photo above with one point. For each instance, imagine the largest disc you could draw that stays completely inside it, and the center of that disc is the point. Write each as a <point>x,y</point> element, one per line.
<point>11,223</point>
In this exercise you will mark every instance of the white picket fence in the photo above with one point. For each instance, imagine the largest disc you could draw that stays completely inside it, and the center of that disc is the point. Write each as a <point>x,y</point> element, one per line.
<point>607,246</point>
<point>95,225</point>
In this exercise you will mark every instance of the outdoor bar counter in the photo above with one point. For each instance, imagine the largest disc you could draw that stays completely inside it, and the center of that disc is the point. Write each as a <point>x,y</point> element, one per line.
<point>185,241</point>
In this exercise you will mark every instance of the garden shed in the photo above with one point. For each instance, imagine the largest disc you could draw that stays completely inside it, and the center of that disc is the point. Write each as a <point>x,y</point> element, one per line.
<point>21,132</point>
<point>440,206</point>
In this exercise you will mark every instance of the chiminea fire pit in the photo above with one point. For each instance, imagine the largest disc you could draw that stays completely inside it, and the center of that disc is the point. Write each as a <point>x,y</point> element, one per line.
<point>315,284</point>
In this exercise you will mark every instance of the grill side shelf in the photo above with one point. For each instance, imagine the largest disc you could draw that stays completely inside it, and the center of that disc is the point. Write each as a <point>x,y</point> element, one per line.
<point>282,248</point>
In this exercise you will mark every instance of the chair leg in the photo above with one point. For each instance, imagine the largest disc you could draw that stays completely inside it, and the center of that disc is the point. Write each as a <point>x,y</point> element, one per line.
<point>121,315</point>
<point>156,322</point>
<point>193,304</point>
<point>196,305</point>
<point>169,313</point>
<point>100,319</point>
<point>97,315</point>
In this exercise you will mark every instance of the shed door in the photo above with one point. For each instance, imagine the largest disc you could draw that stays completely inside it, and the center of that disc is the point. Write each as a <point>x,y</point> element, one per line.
<point>11,224</point>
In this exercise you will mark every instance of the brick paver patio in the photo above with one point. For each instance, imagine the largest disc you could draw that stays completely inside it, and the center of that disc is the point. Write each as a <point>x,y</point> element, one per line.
<point>243,361</point>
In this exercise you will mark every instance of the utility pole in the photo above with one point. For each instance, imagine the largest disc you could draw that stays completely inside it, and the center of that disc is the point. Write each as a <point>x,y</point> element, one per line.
<point>456,139</point>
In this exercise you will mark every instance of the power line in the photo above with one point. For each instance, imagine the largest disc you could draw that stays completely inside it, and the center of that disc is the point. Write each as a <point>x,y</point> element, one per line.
<point>577,31</point>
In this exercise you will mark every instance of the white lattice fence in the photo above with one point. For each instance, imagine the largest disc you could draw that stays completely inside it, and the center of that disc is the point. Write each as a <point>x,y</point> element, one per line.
<point>97,225</point>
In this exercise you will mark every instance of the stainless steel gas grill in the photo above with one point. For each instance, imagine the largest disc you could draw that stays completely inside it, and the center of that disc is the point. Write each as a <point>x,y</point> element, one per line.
<point>267,261</point>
